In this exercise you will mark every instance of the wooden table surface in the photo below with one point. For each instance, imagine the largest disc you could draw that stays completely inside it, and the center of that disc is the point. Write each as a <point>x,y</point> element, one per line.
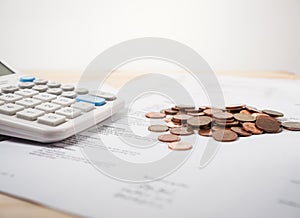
<point>11,207</point>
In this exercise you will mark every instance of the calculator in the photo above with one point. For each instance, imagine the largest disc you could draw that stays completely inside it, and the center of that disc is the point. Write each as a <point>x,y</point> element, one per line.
<point>47,111</point>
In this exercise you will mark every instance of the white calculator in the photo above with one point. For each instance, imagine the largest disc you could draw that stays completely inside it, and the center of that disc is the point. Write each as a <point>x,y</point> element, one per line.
<point>48,111</point>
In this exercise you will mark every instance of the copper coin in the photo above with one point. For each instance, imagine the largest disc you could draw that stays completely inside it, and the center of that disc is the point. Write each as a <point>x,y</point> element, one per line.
<point>212,111</point>
<point>168,119</point>
<point>205,132</point>
<point>235,106</point>
<point>168,138</point>
<point>180,146</point>
<point>294,126</point>
<point>199,121</point>
<point>155,115</point>
<point>273,113</point>
<point>245,112</point>
<point>244,117</point>
<point>240,131</point>
<point>251,127</point>
<point>202,108</point>
<point>252,109</point>
<point>158,128</point>
<point>196,114</point>
<point>224,121</point>
<point>175,108</point>
<point>223,116</point>
<point>182,131</point>
<point>170,112</point>
<point>268,124</point>
<point>181,118</point>
<point>259,114</point>
<point>224,135</point>
<point>172,125</point>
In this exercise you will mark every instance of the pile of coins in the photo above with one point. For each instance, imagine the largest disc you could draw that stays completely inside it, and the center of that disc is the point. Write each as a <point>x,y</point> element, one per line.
<point>224,125</point>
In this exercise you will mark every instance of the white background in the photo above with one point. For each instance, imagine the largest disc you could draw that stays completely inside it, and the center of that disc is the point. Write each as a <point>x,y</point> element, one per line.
<point>230,35</point>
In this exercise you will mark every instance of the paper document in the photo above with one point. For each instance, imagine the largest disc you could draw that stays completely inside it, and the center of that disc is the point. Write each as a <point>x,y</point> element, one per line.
<point>255,176</point>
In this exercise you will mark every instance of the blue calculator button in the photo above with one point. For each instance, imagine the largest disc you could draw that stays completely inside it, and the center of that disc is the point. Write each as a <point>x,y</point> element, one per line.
<point>27,79</point>
<point>97,101</point>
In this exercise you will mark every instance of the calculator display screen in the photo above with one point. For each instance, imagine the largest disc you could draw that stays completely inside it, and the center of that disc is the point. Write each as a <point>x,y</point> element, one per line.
<point>4,70</point>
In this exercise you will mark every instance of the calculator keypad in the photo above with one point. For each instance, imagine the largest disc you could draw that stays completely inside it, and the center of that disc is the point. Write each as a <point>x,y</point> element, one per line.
<point>10,109</point>
<point>28,102</point>
<point>30,114</point>
<point>52,119</point>
<point>46,102</point>
<point>9,98</point>
<point>48,107</point>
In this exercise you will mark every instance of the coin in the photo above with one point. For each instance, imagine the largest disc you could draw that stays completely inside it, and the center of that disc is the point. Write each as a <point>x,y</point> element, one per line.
<point>211,111</point>
<point>224,135</point>
<point>273,113</point>
<point>235,106</point>
<point>205,132</point>
<point>168,138</point>
<point>245,112</point>
<point>294,126</point>
<point>196,114</point>
<point>181,118</point>
<point>182,131</point>
<point>259,114</point>
<point>268,124</point>
<point>158,128</point>
<point>155,115</point>
<point>168,119</point>
<point>234,123</point>
<point>180,146</point>
<point>170,112</point>
<point>240,131</point>
<point>184,107</point>
<point>244,117</point>
<point>251,127</point>
<point>223,116</point>
<point>172,125</point>
<point>191,110</point>
<point>199,121</point>
<point>252,109</point>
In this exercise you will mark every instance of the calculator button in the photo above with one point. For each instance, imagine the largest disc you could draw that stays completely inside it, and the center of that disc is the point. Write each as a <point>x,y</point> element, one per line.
<point>44,97</point>
<point>82,91</point>
<point>106,95</point>
<point>9,89</point>
<point>10,109</point>
<point>97,101</point>
<point>40,88</point>
<point>48,107</point>
<point>8,98</point>
<point>27,79</point>
<point>63,101</point>
<point>1,102</point>
<point>68,112</point>
<point>26,85</point>
<point>67,87</point>
<point>69,94</point>
<point>40,81</point>
<point>27,92</point>
<point>83,106</point>
<point>30,114</point>
<point>28,102</point>
<point>54,91</point>
<point>53,84</point>
<point>52,119</point>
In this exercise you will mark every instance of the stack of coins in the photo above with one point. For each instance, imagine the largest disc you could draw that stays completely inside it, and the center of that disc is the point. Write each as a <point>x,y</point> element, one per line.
<point>223,125</point>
